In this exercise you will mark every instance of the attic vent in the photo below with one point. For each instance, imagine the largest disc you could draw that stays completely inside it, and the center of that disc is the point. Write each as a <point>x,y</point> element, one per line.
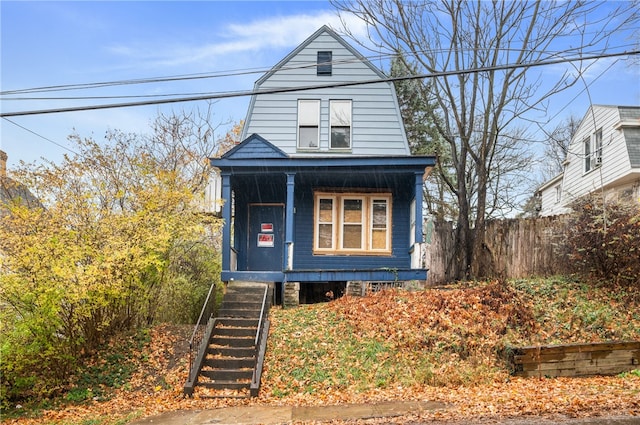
<point>324,63</point>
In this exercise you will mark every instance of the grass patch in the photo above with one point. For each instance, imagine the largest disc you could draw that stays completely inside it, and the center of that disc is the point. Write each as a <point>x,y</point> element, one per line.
<point>94,381</point>
<point>434,337</point>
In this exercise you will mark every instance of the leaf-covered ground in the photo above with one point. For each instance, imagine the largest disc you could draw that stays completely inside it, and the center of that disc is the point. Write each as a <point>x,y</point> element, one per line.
<point>442,345</point>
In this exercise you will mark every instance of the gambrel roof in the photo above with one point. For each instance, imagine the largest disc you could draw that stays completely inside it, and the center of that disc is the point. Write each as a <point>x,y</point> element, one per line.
<point>305,44</point>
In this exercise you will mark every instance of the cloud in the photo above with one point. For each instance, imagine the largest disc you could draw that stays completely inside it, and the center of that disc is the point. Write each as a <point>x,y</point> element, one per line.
<point>237,39</point>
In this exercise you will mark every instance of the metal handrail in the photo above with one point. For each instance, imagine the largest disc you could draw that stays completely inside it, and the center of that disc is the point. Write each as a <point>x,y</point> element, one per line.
<point>196,336</point>
<point>255,385</point>
<point>264,302</point>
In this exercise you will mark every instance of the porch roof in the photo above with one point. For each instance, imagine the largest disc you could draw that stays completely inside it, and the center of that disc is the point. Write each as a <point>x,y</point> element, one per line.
<point>368,164</point>
<point>257,155</point>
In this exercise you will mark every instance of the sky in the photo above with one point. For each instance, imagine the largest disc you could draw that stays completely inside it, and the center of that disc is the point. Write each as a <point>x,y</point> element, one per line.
<point>51,43</point>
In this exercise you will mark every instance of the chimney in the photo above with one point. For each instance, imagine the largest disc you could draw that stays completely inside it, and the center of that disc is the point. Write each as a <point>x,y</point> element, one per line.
<point>3,164</point>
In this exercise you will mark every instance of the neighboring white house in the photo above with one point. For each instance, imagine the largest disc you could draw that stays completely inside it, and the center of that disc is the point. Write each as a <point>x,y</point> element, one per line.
<point>603,156</point>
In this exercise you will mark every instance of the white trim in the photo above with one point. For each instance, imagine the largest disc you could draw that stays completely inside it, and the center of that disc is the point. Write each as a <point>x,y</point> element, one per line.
<point>338,223</point>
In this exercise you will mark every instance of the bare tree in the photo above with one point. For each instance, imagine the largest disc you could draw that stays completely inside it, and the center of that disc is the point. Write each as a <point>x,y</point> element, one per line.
<point>556,146</point>
<point>480,101</point>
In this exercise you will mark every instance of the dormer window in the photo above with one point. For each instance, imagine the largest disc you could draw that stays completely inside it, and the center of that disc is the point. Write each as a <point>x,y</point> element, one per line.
<point>323,66</point>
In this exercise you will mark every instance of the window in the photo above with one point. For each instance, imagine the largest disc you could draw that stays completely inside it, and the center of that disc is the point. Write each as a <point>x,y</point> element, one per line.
<point>587,154</point>
<point>352,223</point>
<point>325,218</point>
<point>598,147</point>
<point>340,122</point>
<point>593,151</point>
<point>379,224</point>
<point>558,194</point>
<point>308,124</point>
<point>323,66</point>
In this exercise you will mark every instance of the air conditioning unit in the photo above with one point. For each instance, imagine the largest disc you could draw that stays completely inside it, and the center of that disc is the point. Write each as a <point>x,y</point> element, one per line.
<point>598,161</point>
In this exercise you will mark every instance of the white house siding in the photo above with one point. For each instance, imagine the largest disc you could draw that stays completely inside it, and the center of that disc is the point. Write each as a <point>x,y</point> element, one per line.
<point>376,125</point>
<point>616,178</point>
<point>550,205</point>
<point>615,160</point>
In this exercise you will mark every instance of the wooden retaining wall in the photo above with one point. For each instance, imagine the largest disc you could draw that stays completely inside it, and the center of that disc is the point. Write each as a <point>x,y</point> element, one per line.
<point>610,358</point>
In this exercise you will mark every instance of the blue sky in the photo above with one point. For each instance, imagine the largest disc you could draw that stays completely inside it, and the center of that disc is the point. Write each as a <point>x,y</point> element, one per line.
<point>58,43</point>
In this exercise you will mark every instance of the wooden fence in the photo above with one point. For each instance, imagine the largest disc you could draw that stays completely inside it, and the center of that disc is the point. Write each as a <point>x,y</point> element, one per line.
<point>513,248</point>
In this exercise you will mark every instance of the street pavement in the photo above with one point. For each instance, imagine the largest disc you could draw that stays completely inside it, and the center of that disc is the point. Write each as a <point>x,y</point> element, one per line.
<point>272,415</point>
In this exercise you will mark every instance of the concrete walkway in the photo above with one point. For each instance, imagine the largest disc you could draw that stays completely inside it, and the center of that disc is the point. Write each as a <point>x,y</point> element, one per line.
<point>270,415</point>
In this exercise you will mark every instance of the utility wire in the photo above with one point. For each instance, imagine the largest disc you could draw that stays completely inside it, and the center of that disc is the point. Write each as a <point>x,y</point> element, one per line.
<point>207,75</point>
<point>314,87</point>
<point>40,135</point>
<point>186,77</point>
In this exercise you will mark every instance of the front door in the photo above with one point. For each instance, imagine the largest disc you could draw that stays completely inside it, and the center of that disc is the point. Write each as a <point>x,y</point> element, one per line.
<point>266,237</point>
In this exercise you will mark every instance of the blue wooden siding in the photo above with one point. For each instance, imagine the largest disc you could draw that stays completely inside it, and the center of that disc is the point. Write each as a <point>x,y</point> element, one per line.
<point>271,189</point>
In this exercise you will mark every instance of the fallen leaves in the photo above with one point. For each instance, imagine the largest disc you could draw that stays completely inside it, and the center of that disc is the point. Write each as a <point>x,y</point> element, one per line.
<point>437,345</point>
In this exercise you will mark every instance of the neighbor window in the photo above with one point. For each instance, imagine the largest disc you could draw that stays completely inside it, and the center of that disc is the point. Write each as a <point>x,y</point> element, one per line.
<point>593,151</point>
<point>587,154</point>
<point>558,194</point>
<point>340,122</point>
<point>352,223</point>
<point>598,146</point>
<point>323,66</point>
<point>308,124</point>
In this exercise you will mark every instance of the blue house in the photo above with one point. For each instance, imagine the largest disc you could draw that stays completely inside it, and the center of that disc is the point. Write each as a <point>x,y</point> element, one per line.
<point>322,190</point>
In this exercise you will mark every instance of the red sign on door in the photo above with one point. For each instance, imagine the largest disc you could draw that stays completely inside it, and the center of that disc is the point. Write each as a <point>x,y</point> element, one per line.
<point>265,240</point>
<point>266,227</point>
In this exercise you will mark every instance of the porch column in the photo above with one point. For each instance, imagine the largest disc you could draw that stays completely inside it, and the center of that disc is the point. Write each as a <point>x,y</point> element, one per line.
<point>226,216</point>
<point>418,194</point>
<point>418,248</point>
<point>288,226</point>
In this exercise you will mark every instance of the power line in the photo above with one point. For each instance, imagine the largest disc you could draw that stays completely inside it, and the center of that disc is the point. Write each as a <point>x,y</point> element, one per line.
<point>132,96</point>
<point>184,77</point>
<point>40,135</point>
<point>207,75</point>
<point>243,93</point>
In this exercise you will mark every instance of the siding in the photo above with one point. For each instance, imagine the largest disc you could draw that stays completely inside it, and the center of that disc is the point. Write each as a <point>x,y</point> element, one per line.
<point>615,160</point>
<point>303,248</point>
<point>549,202</point>
<point>632,136</point>
<point>377,128</point>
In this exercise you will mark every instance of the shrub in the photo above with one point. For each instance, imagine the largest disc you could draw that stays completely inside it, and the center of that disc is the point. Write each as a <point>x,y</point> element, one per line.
<point>604,240</point>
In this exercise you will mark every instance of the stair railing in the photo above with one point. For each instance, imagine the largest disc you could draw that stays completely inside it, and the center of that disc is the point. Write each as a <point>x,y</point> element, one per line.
<point>260,345</point>
<point>198,336</point>
<point>264,302</point>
